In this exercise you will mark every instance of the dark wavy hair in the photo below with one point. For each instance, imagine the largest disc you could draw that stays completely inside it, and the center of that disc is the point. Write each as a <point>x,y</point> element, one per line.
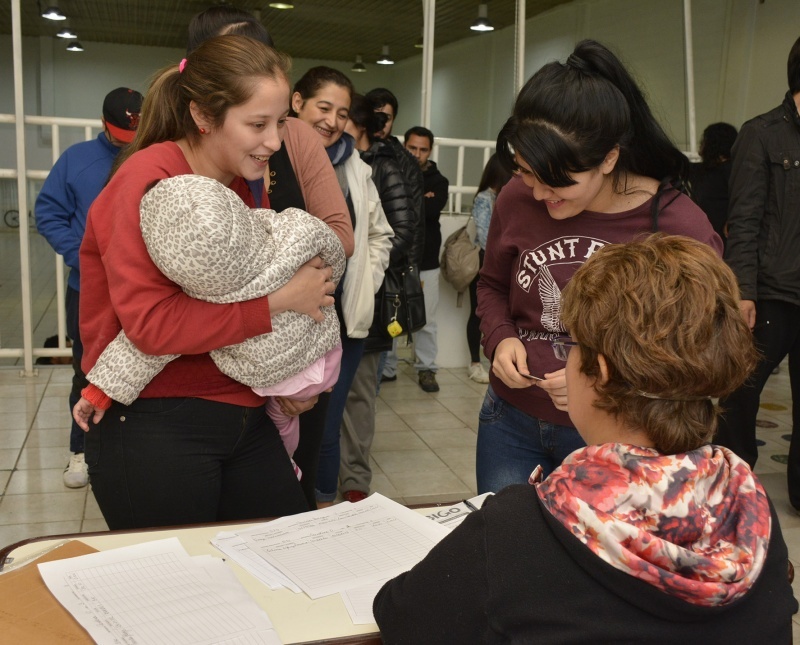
<point>793,67</point>
<point>364,116</point>
<point>380,96</point>
<point>495,175</point>
<point>716,144</point>
<point>569,116</point>
<point>664,313</point>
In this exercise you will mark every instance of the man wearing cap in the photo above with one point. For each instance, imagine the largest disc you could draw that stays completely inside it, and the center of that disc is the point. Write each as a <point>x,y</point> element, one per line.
<point>74,182</point>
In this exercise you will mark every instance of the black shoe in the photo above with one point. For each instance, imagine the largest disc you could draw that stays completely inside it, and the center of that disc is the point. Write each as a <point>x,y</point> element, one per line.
<point>427,381</point>
<point>388,379</point>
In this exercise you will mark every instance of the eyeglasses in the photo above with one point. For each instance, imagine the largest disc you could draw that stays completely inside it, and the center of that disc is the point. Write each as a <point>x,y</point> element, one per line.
<point>561,346</point>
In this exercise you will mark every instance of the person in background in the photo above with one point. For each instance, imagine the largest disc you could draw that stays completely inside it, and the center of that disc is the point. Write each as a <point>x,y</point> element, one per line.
<point>385,102</point>
<point>51,342</point>
<point>322,98</point>
<point>649,534</point>
<point>299,176</point>
<point>419,142</point>
<point>358,422</point>
<point>593,167</point>
<point>74,182</point>
<point>494,177</point>
<point>194,432</point>
<point>709,178</point>
<point>764,252</point>
<point>223,19</point>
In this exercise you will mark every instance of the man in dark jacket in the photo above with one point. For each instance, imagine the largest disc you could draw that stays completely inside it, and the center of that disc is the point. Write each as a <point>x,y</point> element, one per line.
<point>763,250</point>
<point>419,142</point>
<point>385,101</point>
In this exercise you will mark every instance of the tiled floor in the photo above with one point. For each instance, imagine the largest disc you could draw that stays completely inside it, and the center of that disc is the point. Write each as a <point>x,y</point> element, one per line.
<point>424,449</point>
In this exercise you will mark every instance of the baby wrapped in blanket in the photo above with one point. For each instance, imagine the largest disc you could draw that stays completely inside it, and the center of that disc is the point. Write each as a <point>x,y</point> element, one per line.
<point>204,238</point>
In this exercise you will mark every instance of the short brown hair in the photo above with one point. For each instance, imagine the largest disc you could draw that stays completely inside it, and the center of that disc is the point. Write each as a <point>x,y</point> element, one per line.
<point>664,313</point>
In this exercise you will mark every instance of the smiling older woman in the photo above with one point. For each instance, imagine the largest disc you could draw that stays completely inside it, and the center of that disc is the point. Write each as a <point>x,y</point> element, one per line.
<point>647,535</point>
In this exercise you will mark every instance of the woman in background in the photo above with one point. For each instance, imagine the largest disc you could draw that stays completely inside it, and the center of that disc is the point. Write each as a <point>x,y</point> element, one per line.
<point>709,178</point>
<point>299,176</point>
<point>322,99</point>
<point>494,177</point>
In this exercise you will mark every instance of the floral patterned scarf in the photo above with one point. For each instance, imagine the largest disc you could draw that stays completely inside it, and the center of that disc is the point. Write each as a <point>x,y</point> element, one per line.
<point>695,525</point>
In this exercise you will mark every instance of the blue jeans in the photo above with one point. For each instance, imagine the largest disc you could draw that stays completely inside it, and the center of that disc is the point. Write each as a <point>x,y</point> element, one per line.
<point>329,455</point>
<point>511,444</point>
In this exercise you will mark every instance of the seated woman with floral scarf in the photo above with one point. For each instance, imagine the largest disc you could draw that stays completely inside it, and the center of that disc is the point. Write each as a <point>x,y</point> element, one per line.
<point>649,534</point>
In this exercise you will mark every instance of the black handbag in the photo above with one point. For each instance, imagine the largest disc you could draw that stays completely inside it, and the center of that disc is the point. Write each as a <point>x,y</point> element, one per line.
<point>401,302</point>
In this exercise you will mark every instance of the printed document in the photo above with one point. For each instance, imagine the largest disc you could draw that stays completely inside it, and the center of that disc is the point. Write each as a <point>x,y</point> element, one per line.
<point>347,545</point>
<point>156,593</point>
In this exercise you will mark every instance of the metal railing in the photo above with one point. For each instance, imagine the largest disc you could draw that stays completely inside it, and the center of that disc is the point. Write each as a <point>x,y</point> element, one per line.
<point>56,124</point>
<point>455,170</point>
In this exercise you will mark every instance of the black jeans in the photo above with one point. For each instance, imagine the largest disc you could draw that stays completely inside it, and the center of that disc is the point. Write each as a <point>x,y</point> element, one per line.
<point>473,322</point>
<point>776,333</point>
<point>306,456</point>
<point>172,461</point>
<point>78,377</point>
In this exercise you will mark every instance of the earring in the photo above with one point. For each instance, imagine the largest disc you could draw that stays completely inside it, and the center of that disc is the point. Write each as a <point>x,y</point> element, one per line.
<point>202,130</point>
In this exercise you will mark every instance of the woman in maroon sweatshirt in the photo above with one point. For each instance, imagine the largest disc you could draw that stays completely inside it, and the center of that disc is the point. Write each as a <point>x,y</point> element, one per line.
<point>593,168</point>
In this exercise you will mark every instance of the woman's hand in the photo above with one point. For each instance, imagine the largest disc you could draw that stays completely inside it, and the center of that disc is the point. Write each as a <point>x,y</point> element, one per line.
<point>555,384</point>
<point>510,362</point>
<point>307,292</point>
<point>83,410</point>
<point>293,407</point>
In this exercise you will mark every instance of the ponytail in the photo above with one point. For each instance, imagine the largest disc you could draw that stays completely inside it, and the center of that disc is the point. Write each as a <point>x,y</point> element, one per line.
<point>570,115</point>
<point>650,152</point>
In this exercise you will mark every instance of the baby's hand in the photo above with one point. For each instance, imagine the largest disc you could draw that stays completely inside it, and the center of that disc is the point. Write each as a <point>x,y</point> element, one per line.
<point>83,410</point>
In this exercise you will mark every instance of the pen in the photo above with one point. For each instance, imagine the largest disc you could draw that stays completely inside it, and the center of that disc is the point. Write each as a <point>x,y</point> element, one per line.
<point>470,505</point>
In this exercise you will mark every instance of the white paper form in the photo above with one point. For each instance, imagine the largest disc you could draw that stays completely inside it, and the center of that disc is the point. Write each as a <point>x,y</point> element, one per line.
<point>359,602</point>
<point>156,593</point>
<point>234,546</point>
<point>347,546</point>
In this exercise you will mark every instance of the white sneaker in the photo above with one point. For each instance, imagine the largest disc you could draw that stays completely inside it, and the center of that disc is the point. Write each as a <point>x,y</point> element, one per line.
<point>478,374</point>
<point>76,474</point>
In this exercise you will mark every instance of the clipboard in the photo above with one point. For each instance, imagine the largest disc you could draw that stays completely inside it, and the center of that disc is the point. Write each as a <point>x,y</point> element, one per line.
<point>29,613</point>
